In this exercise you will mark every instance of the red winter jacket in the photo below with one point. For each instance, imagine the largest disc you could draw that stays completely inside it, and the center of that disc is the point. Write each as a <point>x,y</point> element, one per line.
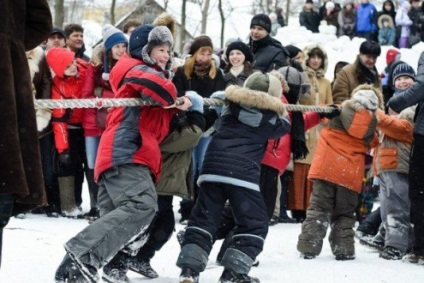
<point>93,79</point>
<point>133,134</point>
<point>278,152</point>
<point>66,88</point>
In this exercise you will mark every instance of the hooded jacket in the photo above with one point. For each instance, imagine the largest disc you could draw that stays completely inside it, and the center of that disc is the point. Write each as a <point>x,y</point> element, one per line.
<point>133,134</point>
<point>269,54</point>
<point>236,150</point>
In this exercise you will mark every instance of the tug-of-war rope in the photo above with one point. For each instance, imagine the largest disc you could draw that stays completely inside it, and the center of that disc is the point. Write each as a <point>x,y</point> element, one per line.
<point>120,102</point>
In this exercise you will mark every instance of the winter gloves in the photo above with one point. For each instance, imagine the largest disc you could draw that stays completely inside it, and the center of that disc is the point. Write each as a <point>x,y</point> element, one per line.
<point>218,95</point>
<point>64,159</point>
<point>196,101</point>
<point>330,115</point>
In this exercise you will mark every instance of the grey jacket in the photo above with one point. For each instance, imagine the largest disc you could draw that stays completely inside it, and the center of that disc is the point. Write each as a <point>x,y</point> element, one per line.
<point>412,96</point>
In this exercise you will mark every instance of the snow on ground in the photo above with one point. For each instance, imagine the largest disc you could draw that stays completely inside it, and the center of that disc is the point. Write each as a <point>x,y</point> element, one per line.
<point>33,248</point>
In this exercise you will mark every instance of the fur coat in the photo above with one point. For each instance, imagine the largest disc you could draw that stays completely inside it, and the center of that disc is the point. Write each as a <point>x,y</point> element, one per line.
<point>25,24</point>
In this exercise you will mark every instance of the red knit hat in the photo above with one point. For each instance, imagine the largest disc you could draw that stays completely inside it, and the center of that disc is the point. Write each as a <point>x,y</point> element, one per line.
<point>59,59</point>
<point>391,55</point>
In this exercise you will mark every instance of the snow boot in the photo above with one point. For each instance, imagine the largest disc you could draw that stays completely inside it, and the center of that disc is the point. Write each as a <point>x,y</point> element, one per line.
<point>343,257</point>
<point>307,255</point>
<point>413,258</point>
<point>391,253</point>
<point>68,271</point>
<point>93,188</point>
<point>180,237</point>
<point>67,197</point>
<point>229,276</point>
<point>376,242</point>
<point>116,270</point>
<point>142,267</point>
<point>189,275</point>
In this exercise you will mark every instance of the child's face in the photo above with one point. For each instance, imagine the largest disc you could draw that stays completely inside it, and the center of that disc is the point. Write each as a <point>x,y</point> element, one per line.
<point>403,82</point>
<point>118,50</point>
<point>385,23</point>
<point>72,70</point>
<point>236,58</point>
<point>160,54</point>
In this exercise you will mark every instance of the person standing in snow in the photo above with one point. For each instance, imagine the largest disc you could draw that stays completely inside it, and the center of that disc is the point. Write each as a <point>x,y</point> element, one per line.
<point>25,24</point>
<point>309,18</point>
<point>400,101</point>
<point>403,21</point>
<point>230,171</point>
<point>365,20</point>
<point>337,170</point>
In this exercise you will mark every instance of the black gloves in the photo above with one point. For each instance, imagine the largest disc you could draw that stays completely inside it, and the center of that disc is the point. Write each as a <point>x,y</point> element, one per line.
<point>64,159</point>
<point>330,115</point>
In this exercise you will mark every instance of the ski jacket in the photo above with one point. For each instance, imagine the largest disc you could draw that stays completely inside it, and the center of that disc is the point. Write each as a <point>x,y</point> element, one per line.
<point>365,18</point>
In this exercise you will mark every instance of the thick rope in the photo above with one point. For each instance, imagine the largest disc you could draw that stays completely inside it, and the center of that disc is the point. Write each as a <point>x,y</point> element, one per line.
<point>120,102</point>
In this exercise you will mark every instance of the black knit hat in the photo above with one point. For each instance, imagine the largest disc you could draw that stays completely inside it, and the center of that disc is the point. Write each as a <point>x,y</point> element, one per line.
<point>370,47</point>
<point>239,45</point>
<point>293,50</point>
<point>261,20</point>
<point>199,42</point>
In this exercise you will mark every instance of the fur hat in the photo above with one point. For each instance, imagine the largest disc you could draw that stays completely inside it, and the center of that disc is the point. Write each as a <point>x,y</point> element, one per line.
<point>59,60</point>
<point>138,40</point>
<point>199,42</point>
<point>264,82</point>
<point>168,20</point>
<point>111,36</point>
<point>296,82</point>
<point>403,69</point>
<point>392,55</point>
<point>239,45</point>
<point>367,98</point>
<point>370,47</point>
<point>261,20</point>
<point>158,35</point>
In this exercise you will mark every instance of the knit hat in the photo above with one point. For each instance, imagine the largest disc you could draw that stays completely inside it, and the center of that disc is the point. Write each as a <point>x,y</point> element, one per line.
<point>392,55</point>
<point>199,42</point>
<point>58,31</point>
<point>239,45</point>
<point>59,60</point>
<point>264,82</point>
<point>403,69</point>
<point>293,50</point>
<point>296,82</point>
<point>111,36</point>
<point>370,47</point>
<point>309,2</point>
<point>261,20</point>
<point>329,5</point>
<point>366,98</point>
<point>138,39</point>
<point>158,35</point>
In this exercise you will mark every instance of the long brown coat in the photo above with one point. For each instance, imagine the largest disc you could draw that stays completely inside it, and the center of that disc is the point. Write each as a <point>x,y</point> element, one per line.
<point>24,25</point>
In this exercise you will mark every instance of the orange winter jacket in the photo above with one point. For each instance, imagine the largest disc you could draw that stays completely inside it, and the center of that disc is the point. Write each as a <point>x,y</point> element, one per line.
<point>341,149</point>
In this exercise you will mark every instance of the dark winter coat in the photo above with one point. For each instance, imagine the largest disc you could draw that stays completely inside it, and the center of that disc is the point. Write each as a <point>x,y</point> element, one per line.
<point>350,77</point>
<point>412,96</point>
<point>176,151</point>
<point>203,86</point>
<point>236,150</point>
<point>229,79</point>
<point>269,54</point>
<point>384,11</point>
<point>309,19</point>
<point>24,25</point>
<point>133,134</point>
<point>347,22</point>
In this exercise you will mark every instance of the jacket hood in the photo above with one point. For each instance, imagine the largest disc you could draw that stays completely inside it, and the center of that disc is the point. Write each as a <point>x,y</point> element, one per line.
<point>124,64</point>
<point>254,98</point>
<point>376,91</point>
<point>97,56</point>
<point>387,18</point>
<point>59,59</point>
<point>34,58</point>
<point>320,72</point>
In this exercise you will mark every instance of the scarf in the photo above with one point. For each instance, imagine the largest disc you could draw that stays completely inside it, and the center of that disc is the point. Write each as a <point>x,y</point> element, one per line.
<point>236,71</point>
<point>370,75</point>
<point>202,69</point>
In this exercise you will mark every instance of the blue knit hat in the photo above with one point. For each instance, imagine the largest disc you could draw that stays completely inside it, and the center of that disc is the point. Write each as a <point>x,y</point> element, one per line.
<point>403,69</point>
<point>111,37</point>
<point>139,38</point>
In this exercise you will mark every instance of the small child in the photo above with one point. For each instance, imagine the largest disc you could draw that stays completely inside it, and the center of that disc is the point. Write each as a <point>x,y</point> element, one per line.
<point>392,165</point>
<point>386,32</point>
<point>231,171</point>
<point>337,171</point>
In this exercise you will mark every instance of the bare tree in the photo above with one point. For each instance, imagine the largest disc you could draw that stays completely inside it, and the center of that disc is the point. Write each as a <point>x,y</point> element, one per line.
<point>221,14</point>
<point>112,12</point>
<point>183,24</point>
<point>165,4</point>
<point>59,14</point>
<point>204,7</point>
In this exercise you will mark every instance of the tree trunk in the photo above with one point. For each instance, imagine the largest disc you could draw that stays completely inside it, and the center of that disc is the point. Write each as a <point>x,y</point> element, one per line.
<point>287,12</point>
<point>58,13</point>
<point>183,24</point>
<point>221,13</point>
<point>112,12</point>
<point>205,10</point>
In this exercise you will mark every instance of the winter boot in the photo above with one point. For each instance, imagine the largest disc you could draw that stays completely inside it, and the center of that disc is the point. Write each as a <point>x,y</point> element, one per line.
<point>391,253</point>
<point>413,258</point>
<point>116,270</point>
<point>229,276</point>
<point>142,267</point>
<point>67,197</point>
<point>376,242</point>
<point>307,255</point>
<point>180,237</point>
<point>343,257</point>
<point>69,271</point>
<point>189,275</point>
<point>92,215</point>
<point>93,188</point>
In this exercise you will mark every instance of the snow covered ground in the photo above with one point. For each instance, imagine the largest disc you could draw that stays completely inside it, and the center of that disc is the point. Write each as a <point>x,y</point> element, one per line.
<point>33,248</point>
